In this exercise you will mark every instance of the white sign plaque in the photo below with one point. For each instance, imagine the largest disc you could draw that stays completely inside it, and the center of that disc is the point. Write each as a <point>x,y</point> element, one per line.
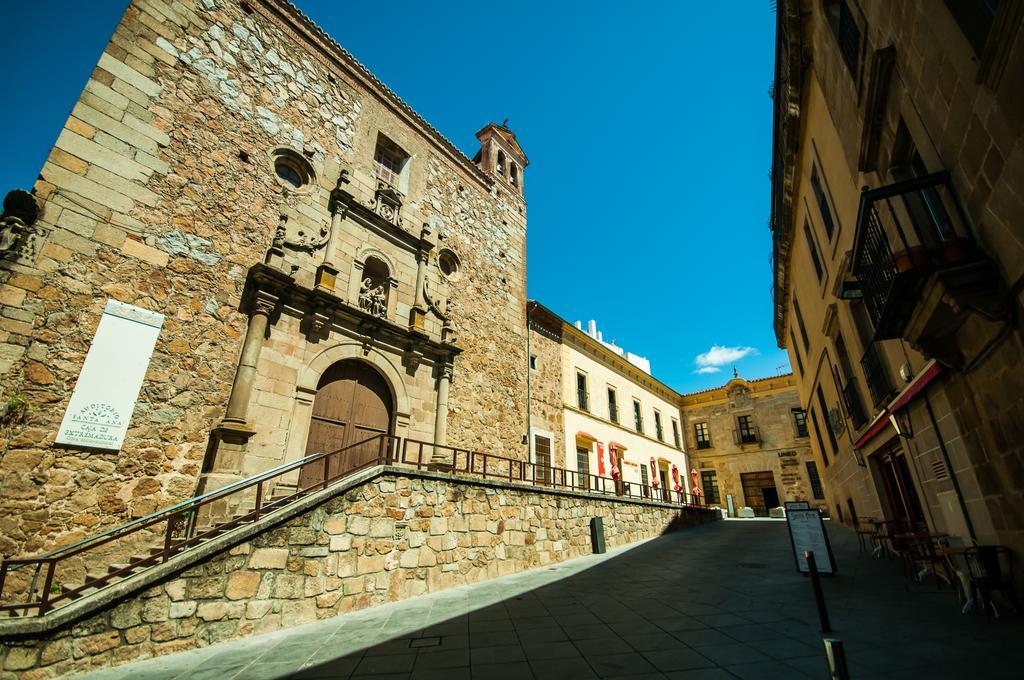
<point>108,386</point>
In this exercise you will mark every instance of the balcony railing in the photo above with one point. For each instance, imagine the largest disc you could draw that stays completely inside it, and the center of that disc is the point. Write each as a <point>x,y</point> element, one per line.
<point>876,375</point>
<point>854,404</point>
<point>905,231</point>
<point>747,436</point>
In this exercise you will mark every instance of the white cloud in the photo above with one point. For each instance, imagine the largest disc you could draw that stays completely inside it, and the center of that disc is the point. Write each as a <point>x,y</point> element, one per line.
<point>719,355</point>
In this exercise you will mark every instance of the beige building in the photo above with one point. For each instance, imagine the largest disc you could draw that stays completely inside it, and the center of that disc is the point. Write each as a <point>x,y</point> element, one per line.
<point>897,221</point>
<point>595,410</point>
<point>749,446</point>
<point>327,265</point>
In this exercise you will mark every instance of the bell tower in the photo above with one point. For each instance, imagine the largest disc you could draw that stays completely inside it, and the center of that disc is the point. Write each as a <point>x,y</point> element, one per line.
<point>501,156</point>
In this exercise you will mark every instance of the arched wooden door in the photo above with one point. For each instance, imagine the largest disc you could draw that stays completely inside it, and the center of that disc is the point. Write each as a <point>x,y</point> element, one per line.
<point>352,404</point>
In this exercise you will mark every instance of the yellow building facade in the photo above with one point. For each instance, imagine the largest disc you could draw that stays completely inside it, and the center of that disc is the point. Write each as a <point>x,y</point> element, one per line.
<point>897,225</point>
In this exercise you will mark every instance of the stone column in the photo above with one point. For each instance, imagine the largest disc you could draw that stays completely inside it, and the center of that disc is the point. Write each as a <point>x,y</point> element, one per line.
<point>327,272</point>
<point>228,440</point>
<point>241,390</point>
<point>442,460</point>
<point>419,308</point>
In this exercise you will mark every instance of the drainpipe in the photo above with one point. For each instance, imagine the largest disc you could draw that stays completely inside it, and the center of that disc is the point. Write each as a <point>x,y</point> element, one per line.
<point>529,394</point>
<point>949,466</point>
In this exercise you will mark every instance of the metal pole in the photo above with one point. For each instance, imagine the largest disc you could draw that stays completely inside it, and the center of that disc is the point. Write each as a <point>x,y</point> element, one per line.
<point>819,597</point>
<point>836,659</point>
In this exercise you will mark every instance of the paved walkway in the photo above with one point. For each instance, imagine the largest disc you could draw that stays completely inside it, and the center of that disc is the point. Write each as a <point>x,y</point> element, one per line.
<point>721,601</point>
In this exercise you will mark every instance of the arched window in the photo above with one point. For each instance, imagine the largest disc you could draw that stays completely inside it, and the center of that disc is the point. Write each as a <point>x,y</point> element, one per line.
<point>501,162</point>
<point>513,170</point>
<point>373,291</point>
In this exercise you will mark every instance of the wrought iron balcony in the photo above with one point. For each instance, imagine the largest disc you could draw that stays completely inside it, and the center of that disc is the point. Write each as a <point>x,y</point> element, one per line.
<point>751,435</point>
<point>906,231</point>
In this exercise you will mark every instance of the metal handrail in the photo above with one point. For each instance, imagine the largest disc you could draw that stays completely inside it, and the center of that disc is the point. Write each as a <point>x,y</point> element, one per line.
<point>172,515</point>
<point>517,470</point>
<point>196,500</point>
<point>474,463</point>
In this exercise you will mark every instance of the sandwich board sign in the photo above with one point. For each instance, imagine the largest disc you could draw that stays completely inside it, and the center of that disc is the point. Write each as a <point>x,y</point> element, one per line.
<point>807,532</point>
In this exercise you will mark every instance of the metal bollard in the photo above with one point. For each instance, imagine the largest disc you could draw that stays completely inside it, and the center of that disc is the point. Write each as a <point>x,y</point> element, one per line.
<point>597,535</point>
<point>836,659</point>
<point>819,597</point>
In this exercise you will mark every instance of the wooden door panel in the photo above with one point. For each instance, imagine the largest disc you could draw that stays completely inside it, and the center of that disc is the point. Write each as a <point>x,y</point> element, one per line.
<point>352,404</point>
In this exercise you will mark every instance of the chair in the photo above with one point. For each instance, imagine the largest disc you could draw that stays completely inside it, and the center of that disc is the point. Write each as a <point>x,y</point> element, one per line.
<point>922,558</point>
<point>990,569</point>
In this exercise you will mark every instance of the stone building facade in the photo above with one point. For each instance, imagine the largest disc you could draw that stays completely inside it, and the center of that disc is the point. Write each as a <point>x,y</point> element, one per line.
<point>748,439</point>
<point>304,233</point>
<point>595,410</point>
<point>897,218</point>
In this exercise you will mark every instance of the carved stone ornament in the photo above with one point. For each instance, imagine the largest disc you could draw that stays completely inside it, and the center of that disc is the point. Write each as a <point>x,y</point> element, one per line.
<point>302,240</point>
<point>264,303</point>
<point>373,297</point>
<point>434,305</point>
<point>388,203</point>
<point>17,225</point>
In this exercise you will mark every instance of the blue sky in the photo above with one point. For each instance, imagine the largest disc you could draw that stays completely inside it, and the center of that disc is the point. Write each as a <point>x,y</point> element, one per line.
<point>647,124</point>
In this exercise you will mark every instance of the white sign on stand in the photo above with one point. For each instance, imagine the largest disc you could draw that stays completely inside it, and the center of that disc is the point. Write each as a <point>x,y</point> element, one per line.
<point>807,532</point>
<point>104,398</point>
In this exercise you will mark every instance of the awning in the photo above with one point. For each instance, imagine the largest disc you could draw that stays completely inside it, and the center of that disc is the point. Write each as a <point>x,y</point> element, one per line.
<point>930,371</point>
<point>617,446</point>
<point>586,436</point>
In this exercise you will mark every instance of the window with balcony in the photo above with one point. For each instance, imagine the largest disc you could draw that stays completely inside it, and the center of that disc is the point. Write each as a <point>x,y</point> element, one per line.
<point>709,480</point>
<point>638,417</point>
<point>817,436</point>
<point>851,393</point>
<point>657,426</point>
<point>975,19</point>
<point>675,433</point>
<point>800,324</point>
<point>812,247</point>
<point>800,422</point>
<point>815,479</point>
<point>703,435</point>
<point>824,414</point>
<point>847,33</point>
<point>796,353</point>
<point>613,405</point>
<point>745,430</point>
<point>905,232</point>
<point>389,162</point>
<point>822,199</point>
<point>582,395</point>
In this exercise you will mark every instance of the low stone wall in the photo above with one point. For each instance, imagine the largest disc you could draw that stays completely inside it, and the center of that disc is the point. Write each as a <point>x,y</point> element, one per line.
<point>396,535</point>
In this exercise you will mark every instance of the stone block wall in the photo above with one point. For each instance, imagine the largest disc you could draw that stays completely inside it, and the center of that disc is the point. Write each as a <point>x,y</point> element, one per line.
<point>160,192</point>
<point>398,535</point>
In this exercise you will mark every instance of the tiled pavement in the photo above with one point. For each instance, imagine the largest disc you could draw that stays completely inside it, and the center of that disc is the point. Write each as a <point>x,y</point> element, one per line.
<point>721,601</point>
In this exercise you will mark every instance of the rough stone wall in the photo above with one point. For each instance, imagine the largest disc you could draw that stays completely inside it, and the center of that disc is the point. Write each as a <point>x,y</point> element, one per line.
<point>546,406</point>
<point>160,193</point>
<point>779,450</point>
<point>392,538</point>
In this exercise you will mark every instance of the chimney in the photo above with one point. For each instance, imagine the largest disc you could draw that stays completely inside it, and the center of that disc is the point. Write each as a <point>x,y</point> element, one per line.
<point>592,328</point>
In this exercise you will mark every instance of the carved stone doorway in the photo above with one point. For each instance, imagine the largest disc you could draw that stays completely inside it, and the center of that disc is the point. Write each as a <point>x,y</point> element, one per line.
<point>352,404</point>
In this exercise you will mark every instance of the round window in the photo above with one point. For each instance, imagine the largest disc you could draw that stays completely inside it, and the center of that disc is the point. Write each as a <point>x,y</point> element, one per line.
<point>448,263</point>
<point>286,172</point>
<point>292,170</point>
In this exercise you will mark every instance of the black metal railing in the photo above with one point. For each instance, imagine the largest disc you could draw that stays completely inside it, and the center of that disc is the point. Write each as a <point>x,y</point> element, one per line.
<point>876,374</point>
<point>854,404</point>
<point>905,231</point>
<point>750,435</point>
